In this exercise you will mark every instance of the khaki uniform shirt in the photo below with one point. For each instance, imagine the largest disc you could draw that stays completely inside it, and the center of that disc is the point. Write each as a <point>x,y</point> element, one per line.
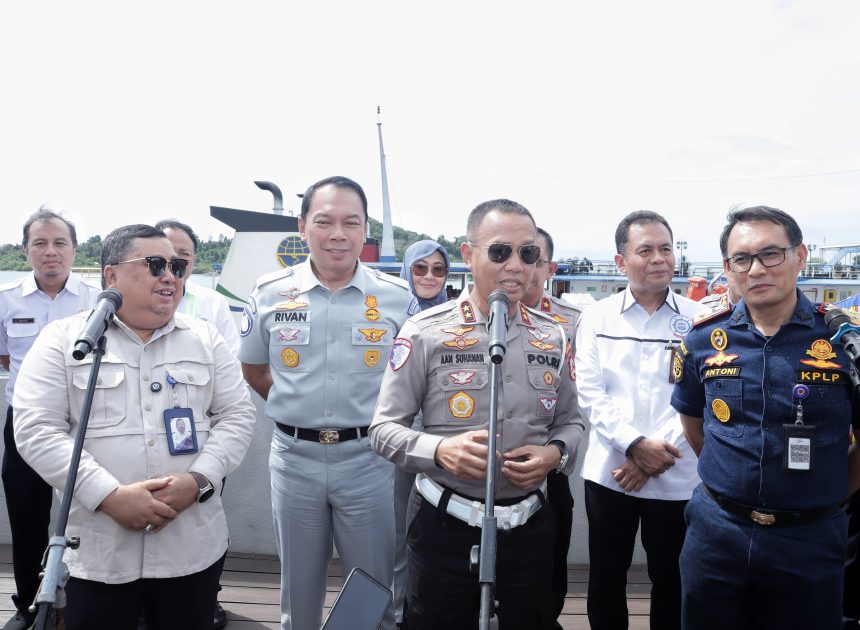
<point>439,365</point>
<point>126,439</point>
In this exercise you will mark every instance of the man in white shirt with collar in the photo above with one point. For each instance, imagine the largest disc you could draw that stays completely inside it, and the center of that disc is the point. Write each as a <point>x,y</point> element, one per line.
<point>638,466</point>
<point>27,304</point>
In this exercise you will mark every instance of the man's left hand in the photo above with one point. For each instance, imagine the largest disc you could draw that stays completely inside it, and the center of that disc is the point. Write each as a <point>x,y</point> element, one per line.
<point>537,462</point>
<point>180,492</point>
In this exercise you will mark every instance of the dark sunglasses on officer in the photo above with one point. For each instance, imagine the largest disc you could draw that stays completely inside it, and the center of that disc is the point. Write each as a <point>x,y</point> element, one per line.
<point>500,252</point>
<point>158,264</point>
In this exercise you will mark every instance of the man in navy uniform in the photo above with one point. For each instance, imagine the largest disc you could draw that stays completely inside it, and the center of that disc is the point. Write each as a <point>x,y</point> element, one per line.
<point>766,403</point>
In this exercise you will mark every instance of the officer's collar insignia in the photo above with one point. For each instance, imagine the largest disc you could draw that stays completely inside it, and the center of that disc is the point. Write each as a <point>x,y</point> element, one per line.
<point>524,315</point>
<point>292,305</point>
<point>719,339</point>
<point>821,351</point>
<point>458,331</point>
<point>545,304</point>
<point>291,293</point>
<point>370,301</point>
<point>468,312</point>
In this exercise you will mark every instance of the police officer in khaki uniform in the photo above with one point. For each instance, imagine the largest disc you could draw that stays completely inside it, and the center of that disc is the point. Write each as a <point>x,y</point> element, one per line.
<point>557,484</point>
<point>439,365</point>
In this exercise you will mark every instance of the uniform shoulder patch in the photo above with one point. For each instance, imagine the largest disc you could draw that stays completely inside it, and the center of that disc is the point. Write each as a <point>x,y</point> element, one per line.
<point>386,277</point>
<point>708,314</point>
<point>266,278</point>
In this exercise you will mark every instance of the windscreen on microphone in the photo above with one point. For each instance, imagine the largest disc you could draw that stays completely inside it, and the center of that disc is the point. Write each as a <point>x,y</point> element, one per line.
<point>497,324</point>
<point>107,304</point>
<point>835,317</point>
<point>497,295</point>
<point>113,296</point>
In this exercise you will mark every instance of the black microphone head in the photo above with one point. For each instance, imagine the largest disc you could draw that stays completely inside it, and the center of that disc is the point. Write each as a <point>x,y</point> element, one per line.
<point>498,295</point>
<point>113,296</point>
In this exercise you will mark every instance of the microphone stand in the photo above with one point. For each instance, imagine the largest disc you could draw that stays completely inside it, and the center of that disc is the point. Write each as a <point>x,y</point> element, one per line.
<point>51,596</point>
<point>483,556</point>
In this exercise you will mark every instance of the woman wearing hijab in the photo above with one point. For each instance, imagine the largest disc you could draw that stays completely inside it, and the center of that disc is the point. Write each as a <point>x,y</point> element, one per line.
<point>425,268</point>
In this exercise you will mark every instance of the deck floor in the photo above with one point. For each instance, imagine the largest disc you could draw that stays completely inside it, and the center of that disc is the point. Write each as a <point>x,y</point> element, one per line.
<point>250,592</point>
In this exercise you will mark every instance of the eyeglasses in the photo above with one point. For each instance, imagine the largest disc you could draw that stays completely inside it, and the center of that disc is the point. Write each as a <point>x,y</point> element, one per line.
<point>500,252</point>
<point>770,257</point>
<point>419,270</point>
<point>157,265</point>
<point>542,261</point>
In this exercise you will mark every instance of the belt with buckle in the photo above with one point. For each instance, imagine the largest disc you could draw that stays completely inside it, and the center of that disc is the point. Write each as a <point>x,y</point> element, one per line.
<point>770,517</point>
<point>471,512</point>
<point>324,436</point>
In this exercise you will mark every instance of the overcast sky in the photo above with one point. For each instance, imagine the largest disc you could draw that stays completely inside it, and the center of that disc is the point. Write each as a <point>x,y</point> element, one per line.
<point>582,111</point>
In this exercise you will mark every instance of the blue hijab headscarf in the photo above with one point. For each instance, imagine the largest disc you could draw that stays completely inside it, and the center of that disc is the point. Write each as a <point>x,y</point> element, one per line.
<point>416,252</point>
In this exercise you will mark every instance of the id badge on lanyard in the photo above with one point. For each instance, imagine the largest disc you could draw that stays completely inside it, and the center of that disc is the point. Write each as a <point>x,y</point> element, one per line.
<point>798,439</point>
<point>179,425</point>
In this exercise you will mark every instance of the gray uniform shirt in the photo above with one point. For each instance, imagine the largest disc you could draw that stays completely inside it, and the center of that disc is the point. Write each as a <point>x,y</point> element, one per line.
<point>326,351</point>
<point>439,365</point>
<point>562,313</point>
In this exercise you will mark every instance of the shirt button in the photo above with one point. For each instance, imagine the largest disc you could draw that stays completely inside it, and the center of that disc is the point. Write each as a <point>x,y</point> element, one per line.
<point>148,407</point>
<point>331,377</point>
<point>331,340</point>
<point>507,379</point>
<point>510,415</point>
<point>151,442</point>
<point>98,381</point>
<point>156,387</point>
<point>190,378</point>
<point>145,377</point>
<point>769,348</point>
<point>329,414</point>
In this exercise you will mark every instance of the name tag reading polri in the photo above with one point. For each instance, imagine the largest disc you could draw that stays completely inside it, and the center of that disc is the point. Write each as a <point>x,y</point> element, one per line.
<point>181,434</point>
<point>798,441</point>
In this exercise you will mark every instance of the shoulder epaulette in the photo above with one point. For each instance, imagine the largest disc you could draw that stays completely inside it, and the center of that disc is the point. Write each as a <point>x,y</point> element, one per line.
<point>439,309</point>
<point>387,277</point>
<point>6,286</point>
<point>274,275</point>
<point>564,304</point>
<point>529,314</point>
<point>718,310</point>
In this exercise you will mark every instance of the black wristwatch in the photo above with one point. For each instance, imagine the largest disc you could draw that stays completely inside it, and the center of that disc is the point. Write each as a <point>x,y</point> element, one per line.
<point>564,455</point>
<point>205,489</point>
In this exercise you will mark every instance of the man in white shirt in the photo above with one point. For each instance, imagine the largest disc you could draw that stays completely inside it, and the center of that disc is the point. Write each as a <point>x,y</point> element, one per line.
<point>638,466</point>
<point>27,305</point>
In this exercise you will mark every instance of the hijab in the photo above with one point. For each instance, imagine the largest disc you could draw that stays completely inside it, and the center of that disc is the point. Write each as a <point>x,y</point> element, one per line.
<point>418,251</point>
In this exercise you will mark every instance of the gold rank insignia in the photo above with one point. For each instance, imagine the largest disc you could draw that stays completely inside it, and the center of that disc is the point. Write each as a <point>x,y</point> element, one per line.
<point>461,405</point>
<point>524,315</point>
<point>461,343</point>
<point>548,378</point>
<point>372,314</point>
<point>373,335</point>
<point>545,304</point>
<point>543,346</point>
<point>720,340</point>
<point>721,410</point>
<point>458,331</point>
<point>371,358</point>
<point>370,301</point>
<point>290,357</point>
<point>677,367</point>
<point>821,351</point>
<point>558,319</point>
<point>291,305</point>
<point>467,312</point>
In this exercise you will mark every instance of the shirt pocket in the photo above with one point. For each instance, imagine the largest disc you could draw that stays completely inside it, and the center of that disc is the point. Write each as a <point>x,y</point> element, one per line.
<point>20,337</point>
<point>542,391</point>
<point>724,412</point>
<point>109,398</point>
<point>192,386</point>
<point>370,346</point>
<point>289,347</point>
<point>463,400</point>
<point>828,407</point>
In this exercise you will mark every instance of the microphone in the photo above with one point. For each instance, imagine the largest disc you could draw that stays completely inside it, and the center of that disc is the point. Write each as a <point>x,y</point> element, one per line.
<point>497,324</point>
<point>845,331</point>
<point>108,303</point>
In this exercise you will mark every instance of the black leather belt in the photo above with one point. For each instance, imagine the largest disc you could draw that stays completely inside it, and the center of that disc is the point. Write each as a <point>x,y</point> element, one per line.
<point>324,436</point>
<point>771,517</point>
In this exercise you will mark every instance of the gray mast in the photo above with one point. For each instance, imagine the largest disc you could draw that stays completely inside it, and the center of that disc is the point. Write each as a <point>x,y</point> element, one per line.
<point>386,253</point>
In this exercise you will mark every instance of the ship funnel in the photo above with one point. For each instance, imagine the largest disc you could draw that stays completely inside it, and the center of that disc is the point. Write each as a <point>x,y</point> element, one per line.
<point>278,208</point>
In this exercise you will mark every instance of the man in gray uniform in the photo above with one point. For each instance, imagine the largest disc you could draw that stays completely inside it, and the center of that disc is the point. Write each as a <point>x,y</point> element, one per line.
<point>314,342</point>
<point>439,365</point>
<point>557,484</point>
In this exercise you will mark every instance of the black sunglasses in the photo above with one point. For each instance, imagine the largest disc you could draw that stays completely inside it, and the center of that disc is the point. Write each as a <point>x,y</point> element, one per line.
<point>500,252</point>
<point>420,269</point>
<point>157,265</point>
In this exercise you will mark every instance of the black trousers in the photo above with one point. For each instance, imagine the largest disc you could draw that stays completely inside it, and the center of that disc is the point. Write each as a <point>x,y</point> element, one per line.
<point>561,502</point>
<point>851,597</point>
<point>613,518</point>
<point>180,603</point>
<point>443,593</point>
<point>28,502</point>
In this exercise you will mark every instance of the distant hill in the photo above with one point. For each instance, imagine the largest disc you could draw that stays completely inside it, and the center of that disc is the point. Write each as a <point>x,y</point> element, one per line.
<point>215,251</point>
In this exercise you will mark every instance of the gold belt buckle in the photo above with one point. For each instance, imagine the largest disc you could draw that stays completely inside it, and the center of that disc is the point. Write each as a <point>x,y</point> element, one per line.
<point>329,437</point>
<point>762,519</point>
